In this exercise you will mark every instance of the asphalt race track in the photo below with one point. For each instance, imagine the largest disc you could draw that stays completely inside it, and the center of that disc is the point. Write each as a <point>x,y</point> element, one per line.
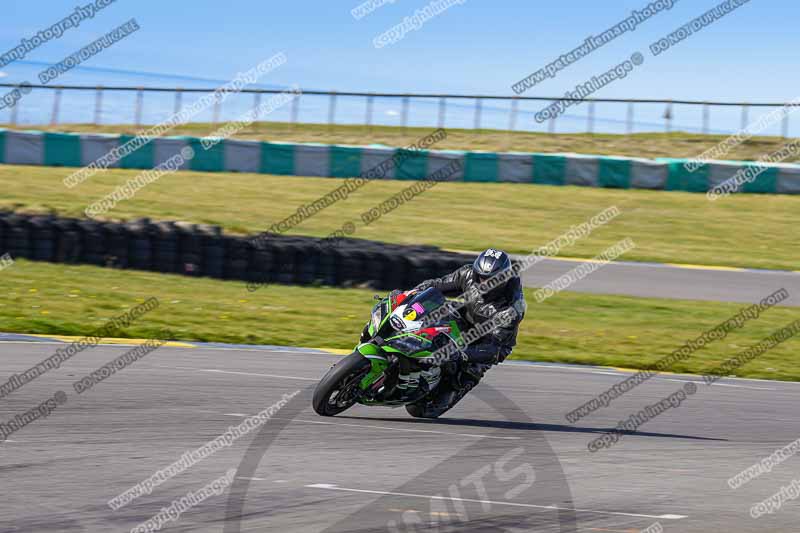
<point>505,459</point>
<point>687,282</point>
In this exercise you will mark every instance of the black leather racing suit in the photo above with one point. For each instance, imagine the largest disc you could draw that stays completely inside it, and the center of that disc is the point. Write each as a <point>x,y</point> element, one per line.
<point>506,300</point>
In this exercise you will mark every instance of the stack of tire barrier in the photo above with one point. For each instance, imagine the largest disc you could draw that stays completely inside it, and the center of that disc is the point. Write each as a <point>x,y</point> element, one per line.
<point>203,250</point>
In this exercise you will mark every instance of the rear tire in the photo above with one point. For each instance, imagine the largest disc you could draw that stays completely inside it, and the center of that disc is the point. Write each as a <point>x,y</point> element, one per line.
<point>425,409</point>
<point>335,393</point>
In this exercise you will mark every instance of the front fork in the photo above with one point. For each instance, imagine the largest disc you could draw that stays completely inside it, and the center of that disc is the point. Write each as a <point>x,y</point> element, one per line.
<point>379,363</point>
<point>391,375</point>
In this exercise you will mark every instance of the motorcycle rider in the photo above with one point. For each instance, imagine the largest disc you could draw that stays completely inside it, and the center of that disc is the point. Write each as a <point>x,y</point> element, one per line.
<point>504,304</point>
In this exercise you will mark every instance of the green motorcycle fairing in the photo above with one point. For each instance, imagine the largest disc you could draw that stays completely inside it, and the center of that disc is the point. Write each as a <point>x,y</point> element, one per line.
<point>378,362</point>
<point>407,344</point>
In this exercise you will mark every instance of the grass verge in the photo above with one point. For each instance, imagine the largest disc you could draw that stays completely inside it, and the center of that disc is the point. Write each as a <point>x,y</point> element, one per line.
<point>570,327</point>
<point>673,227</point>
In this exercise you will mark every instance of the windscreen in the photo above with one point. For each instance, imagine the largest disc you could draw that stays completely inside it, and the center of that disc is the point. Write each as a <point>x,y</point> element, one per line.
<point>423,303</point>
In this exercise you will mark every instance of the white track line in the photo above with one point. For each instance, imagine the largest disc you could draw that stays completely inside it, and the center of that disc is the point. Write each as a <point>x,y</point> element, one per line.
<point>717,384</point>
<point>490,502</point>
<point>737,386</point>
<point>370,426</point>
<point>319,352</point>
<point>229,372</point>
<point>252,374</point>
<point>587,370</point>
<point>590,369</point>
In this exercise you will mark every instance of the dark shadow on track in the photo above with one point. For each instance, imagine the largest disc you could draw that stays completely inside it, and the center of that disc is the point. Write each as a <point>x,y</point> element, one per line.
<point>395,509</point>
<point>527,426</point>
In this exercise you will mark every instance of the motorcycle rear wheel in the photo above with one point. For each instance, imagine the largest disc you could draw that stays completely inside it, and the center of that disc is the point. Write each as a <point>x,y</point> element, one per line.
<point>425,409</point>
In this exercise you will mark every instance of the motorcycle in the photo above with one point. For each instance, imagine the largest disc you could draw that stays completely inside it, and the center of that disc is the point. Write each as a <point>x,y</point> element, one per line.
<point>396,363</point>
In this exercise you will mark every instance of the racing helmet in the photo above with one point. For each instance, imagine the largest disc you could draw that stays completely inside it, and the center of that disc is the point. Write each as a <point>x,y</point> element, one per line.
<point>490,263</point>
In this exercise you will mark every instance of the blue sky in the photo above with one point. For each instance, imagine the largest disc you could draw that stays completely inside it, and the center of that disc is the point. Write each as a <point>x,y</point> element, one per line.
<point>480,46</point>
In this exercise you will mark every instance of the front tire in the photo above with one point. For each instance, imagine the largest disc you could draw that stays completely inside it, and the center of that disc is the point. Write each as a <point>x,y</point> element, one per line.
<point>336,391</point>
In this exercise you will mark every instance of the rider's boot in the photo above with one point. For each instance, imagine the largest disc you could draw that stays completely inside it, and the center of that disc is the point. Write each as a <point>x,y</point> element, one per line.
<point>407,385</point>
<point>460,382</point>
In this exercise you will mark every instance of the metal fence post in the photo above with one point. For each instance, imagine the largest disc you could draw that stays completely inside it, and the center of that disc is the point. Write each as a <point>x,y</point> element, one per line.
<point>331,109</point>
<point>551,125</point>
<point>668,118</point>
<point>512,119</point>
<point>404,114</point>
<point>745,118</point>
<point>706,118</point>
<point>139,105</point>
<point>98,104</point>
<point>56,105</point>
<point>442,111</point>
<point>785,125</point>
<point>256,105</point>
<point>478,108</point>
<point>14,111</point>
<point>178,101</point>
<point>295,110</point>
<point>217,110</point>
<point>368,119</point>
<point>590,119</point>
<point>629,121</point>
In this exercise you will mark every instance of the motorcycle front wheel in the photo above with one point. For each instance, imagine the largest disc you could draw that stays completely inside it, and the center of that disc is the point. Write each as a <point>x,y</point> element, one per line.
<point>337,390</point>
